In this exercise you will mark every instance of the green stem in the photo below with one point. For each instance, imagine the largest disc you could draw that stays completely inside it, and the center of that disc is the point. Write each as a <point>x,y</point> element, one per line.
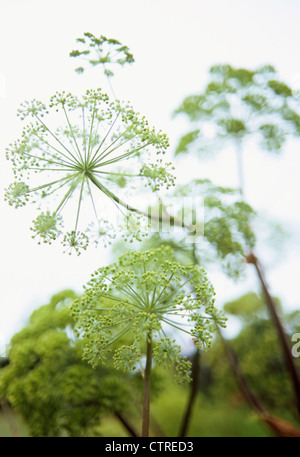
<point>111,87</point>
<point>93,203</point>
<point>130,429</point>
<point>65,198</point>
<point>91,133</point>
<point>195,375</point>
<point>290,364</point>
<point>147,375</point>
<point>102,155</point>
<point>73,136</point>
<point>135,210</point>
<point>193,394</point>
<point>123,156</point>
<point>58,140</point>
<point>79,204</point>
<point>103,140</point>
<point>84,135</point>
<point>43,186</point>
<point>50,161</point>
<point>239,154</point>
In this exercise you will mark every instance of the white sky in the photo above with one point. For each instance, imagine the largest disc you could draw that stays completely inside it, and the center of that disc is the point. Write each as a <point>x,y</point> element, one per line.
<point>174,43</point>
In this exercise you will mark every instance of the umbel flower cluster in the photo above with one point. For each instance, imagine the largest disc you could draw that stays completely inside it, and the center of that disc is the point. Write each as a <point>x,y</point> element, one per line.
<point>104,51</point>
<point>77,146</point>
<point>144,295</point>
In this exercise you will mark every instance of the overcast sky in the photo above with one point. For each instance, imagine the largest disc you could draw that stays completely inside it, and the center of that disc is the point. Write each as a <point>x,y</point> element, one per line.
<point>174,43</point>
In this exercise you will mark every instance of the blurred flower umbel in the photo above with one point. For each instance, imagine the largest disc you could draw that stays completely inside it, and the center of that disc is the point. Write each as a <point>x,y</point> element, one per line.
<point>101,230</point>
<point>102,51</point>
<point>84,154</point>
<point>137,299</point>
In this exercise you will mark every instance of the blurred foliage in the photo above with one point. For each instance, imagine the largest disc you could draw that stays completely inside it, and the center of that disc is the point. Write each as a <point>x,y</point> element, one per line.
<point>45,380</point>
<point>214,415</point>
<point>259,354</point>
<point>236,104</point>
<point>246,307</point>
<point>222,226</point>
<point>57,394</point>
<point>106,52</point>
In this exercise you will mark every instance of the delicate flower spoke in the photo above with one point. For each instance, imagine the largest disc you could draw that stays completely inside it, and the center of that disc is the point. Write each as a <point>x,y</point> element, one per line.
<point>91,133</point>
<point>102,155</point>
<point>84,134</point>
<point>118,336</point>
<point>115,324</point>
<point>65,199</point>
<point>49,169</point>
<point>110,173</point>
<point>92,199</point>
<point>104,138</point>
<point>73,136</point>
<point>43,186</point>
<point>58,140</point>
<point>123,156</point>
<point>50,161</point>
<point>71,163</point>
<point>79,203</point>
<point>136,294</point>
<point>166,321</point>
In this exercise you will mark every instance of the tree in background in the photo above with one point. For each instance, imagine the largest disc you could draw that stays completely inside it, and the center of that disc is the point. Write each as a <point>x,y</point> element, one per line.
<point>46,381</point>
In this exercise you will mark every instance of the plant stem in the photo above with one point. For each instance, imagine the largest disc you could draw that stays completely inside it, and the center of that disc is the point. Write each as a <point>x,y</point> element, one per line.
<point>193,394</point>
<point>285,346</point>
<point>170,220</point>
<point>147,375</point>
<point>126,424</point>
<point>195,373</point>
<point>276,425</point>
<point>251,398</point>
<point>240,166</point>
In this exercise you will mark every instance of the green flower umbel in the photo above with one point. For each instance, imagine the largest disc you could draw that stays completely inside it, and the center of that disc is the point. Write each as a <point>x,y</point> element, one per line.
<point>77,146</point>
<point>141,298</point>
<point>107,52</point>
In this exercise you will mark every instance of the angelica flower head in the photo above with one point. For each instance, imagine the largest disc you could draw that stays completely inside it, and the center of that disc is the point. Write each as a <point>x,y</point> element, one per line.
<point>145,295</point>
<point>81,147</point>
<point>107,52</point>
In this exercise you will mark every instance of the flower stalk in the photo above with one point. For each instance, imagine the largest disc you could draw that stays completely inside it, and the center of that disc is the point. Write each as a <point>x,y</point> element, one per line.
<point>147,387</point>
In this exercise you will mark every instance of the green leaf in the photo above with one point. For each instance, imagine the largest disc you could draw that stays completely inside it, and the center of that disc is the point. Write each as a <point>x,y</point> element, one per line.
<point>186,141</point>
